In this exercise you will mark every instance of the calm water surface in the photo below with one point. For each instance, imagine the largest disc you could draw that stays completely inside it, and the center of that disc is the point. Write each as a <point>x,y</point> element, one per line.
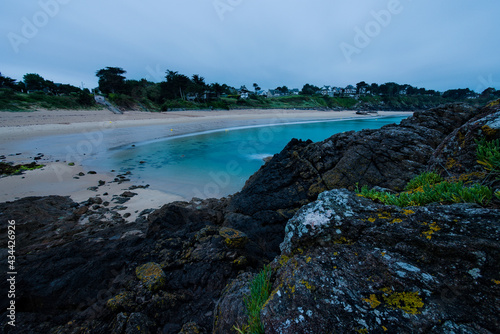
<point>217,163</point>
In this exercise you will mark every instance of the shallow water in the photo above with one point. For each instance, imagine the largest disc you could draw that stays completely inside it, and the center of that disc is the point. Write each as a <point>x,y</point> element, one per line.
<point>216,163</point>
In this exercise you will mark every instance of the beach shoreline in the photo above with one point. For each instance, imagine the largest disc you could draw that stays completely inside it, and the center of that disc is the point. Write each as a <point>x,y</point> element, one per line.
<point>22,135</point>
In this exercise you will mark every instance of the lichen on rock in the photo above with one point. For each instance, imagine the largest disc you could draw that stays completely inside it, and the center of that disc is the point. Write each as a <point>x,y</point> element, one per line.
<point>151,275</point>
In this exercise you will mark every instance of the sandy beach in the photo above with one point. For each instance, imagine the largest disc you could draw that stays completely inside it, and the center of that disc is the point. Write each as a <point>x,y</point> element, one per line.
<point>26,135</point>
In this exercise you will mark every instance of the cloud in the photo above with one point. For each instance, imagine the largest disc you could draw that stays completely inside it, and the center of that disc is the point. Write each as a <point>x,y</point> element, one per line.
<point>440,44</point>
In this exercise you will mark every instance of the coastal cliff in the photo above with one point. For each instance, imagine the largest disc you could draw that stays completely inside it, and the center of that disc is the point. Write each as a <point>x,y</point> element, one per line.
<point>339,262</point>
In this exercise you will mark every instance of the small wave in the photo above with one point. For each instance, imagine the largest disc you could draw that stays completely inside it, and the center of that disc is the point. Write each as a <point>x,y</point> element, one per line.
<point>259,156</point>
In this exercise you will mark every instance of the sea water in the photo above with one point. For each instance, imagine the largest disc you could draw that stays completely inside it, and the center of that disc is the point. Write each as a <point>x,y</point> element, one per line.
<point>217,163</point>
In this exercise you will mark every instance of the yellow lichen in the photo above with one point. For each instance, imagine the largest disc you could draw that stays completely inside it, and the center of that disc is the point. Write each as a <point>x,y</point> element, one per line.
<point>384,328</point>
<point>120,301</point>
<point>407,212</point>
<point>495,281</point>
<point>409,302</point>
<point>308,285</point>
<point>151,275</point>
<point>433,227</point>
<point>450,163</point>
<point>385,215</point>
<point>371,220</point>
<point>308,259</point>
<point>362,330</point>
<point>343,241</point>
<point>373,301</point>
<point>396,220</point>
<point>494,103</point>
<point>233,238</point>
<point>283,260</point>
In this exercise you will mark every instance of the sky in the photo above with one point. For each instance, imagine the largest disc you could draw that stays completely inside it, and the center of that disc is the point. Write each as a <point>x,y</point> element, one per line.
<point>440,45</point>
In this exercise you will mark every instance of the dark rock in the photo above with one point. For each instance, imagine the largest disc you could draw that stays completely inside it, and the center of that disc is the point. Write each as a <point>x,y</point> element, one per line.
<point>137,323</point>
<point>81,211</point>
<point>101,182</point>
<point>233,301</point>
<point>92,172</point>
<point>81,174</point>
<point>120,200</point>
<point>94,200</point>
<point>361,112</point>
<point>128,194</point>
<point>191,328</point>
<point>92,188</point>
<point>354,265</point>
<point>456,156</point>
<point>138,187</point>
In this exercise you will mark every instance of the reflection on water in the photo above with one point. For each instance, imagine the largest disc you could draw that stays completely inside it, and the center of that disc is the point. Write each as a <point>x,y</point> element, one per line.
<point>217,164</point>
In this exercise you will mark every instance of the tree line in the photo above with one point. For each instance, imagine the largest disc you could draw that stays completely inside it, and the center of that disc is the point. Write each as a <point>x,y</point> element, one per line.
<point>177,86</point>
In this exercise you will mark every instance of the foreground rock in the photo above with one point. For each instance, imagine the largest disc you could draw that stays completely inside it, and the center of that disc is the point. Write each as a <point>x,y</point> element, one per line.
<point>351,265</point>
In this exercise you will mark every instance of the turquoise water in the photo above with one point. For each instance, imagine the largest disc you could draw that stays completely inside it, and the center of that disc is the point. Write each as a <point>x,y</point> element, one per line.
<point>217,163</point>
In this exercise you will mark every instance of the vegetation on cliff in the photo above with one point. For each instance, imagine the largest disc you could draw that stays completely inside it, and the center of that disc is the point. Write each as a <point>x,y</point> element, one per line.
<point>430,187</point>
<point>178,91</point>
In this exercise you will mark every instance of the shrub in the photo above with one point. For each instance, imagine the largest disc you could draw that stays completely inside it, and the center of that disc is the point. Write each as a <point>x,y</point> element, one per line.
<point>426,178</point>
<point>443,192</point>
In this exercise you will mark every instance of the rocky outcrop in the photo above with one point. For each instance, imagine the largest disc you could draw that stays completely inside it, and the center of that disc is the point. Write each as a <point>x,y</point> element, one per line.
<point>351,265</point>
<point>85,269</point>
<point>388,157</point>
<point>456,156</point>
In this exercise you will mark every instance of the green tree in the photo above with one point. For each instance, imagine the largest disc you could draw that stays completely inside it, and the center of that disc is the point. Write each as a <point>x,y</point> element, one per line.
<point>374,89</point>
<point>360,86</point>
<point>256,87</point>
<point>198,85</point>
<point>176,85</point>
<point>218,89</point>
<point>6,82</point>
<point>488,92</point>
<point>309,89</point>
<point>389,89</point>
<point>458,94</point>
<point>111,80</point>
<point>282,90</point>
<point>34,82</point>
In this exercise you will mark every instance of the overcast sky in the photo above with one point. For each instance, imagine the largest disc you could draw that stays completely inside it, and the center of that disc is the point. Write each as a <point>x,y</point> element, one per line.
<point>438,44</point>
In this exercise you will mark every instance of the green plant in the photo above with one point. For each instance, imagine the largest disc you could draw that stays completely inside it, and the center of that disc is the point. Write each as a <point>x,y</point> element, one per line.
<point>443,192</point>
<point>426,178</point>
<point>260,289</point>
<point>488,155</point>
